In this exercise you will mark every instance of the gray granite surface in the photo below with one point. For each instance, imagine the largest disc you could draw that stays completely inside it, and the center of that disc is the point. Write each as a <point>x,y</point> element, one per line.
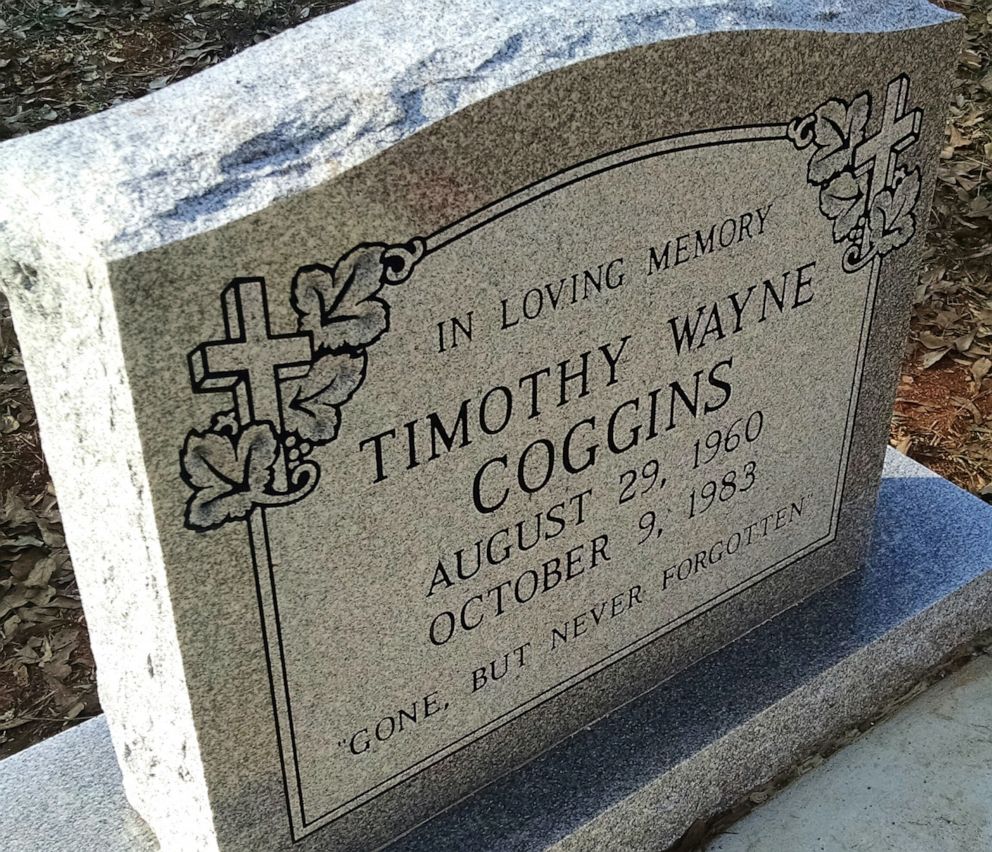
<point>159,254</point>
<point>227,142</point>
<point>638,778</point>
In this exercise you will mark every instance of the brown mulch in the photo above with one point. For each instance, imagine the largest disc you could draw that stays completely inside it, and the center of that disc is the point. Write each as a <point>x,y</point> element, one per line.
<point>62,59</point>
<point>943,414</point>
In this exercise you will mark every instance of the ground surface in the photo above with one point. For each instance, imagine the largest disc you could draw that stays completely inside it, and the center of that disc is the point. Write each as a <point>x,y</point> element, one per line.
<point>62,59</point>
<point>943,415</point>
<point>919,781</point>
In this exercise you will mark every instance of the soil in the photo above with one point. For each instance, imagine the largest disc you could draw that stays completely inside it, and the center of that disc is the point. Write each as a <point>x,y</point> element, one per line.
<point>939,413</point>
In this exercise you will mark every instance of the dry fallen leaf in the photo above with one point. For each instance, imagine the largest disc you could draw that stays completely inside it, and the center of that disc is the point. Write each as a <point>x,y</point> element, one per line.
<point>903,444</point>
<point>980,368</point>
<point>933,356</point>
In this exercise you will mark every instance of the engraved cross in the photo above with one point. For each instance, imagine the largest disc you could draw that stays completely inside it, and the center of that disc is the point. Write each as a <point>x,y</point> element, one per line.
<point>899,130</point>
<point>251,360</point>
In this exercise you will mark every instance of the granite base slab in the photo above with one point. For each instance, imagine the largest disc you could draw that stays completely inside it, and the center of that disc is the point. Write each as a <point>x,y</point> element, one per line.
<point>688,748</point>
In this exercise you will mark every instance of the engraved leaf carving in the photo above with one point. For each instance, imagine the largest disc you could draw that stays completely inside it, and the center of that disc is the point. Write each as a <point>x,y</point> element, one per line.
<point>838,129</point>
<point>891,223</point>
<point>842,201</point>
<point>227,472</point>
<point>314,402</point>
<point>338,305</point>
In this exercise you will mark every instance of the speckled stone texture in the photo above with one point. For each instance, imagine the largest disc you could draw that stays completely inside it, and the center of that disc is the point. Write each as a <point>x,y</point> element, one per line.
<point>260,593</point>
<point>637,779</point>
<point>320,99</point>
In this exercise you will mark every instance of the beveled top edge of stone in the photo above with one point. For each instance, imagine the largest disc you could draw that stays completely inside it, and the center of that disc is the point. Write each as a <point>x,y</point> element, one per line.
<point>287,114</point>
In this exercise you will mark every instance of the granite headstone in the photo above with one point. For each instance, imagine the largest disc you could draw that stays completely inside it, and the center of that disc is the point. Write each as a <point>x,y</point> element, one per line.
<point>426,382</point>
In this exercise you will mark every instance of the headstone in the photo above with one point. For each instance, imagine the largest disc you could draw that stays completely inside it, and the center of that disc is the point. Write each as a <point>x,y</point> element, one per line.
<point>423,384</point>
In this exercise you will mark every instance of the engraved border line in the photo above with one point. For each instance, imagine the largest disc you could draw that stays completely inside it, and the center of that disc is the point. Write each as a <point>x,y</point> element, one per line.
<point>468,224</point>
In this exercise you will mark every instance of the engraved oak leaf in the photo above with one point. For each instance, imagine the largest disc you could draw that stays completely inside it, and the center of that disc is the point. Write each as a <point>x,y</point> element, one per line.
<point>338,305</point>
<point>229,473</point>
<point>838,129</point>
<point>314,403</point>
<point>842,201</point>
<point>891,222</point>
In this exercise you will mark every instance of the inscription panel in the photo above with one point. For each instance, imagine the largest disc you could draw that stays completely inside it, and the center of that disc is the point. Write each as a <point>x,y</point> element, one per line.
<point>544,435</point>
